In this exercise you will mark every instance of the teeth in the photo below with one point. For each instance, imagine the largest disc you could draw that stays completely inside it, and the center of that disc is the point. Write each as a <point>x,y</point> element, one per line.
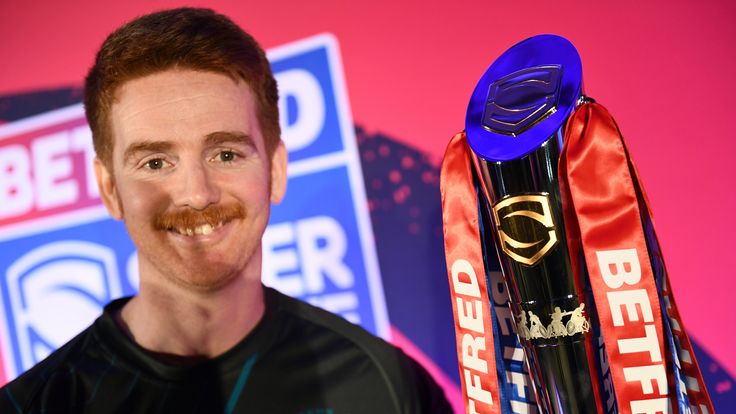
<point>202,230</point>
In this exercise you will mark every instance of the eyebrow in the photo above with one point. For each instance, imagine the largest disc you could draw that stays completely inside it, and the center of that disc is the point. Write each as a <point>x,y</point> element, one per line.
<point>228,137</point>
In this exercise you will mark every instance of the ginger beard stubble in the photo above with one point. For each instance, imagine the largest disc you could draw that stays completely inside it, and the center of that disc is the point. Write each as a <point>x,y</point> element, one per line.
<point>211,275</point>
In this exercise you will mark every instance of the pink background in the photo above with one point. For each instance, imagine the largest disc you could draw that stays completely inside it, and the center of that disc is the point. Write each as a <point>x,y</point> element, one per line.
<point>663,68</point>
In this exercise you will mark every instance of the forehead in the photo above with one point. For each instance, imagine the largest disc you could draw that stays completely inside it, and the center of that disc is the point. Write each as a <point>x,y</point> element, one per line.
<point>180,104</point>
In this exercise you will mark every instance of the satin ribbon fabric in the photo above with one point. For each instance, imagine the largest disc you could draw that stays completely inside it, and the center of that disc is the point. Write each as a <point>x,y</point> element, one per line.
<point>651,360</point>
<point>468,284</point>
<point>601,197</point>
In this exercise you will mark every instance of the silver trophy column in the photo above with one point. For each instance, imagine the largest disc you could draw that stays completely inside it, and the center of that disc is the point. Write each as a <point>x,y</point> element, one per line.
<point>514,126</point>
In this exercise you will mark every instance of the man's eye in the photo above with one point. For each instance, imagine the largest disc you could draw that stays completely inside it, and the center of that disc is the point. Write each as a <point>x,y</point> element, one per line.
<point>227,156</point>
<point>155,164</point>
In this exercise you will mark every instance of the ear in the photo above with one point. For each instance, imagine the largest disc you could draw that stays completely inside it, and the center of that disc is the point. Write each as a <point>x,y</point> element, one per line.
<point>279,162</point>
<point>108,191</point>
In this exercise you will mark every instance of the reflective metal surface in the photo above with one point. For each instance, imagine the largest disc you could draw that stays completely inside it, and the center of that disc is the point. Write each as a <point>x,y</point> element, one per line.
<point>545,295</point>
<point>515,127</point>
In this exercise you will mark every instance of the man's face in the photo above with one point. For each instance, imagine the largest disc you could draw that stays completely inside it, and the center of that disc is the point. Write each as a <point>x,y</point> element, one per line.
<point>191,177</point>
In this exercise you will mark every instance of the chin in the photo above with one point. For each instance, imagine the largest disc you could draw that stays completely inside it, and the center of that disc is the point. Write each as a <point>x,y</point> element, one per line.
<point>206,271</point>
<point>205,283</point>
<point>202,277</point>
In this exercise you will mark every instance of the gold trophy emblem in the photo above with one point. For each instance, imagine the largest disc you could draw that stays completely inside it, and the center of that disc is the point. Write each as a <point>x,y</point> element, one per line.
<point>525,227</point>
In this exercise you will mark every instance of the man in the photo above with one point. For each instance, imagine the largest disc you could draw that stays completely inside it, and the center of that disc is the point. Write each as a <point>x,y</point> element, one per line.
<point>183,109</point>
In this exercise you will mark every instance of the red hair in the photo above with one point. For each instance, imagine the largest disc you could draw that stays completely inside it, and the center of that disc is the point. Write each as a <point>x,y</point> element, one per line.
<point>188,38</point>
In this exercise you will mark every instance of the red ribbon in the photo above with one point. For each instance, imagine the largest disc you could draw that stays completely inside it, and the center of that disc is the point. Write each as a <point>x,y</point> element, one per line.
<point>602,212</point>
<point>696,391</point>
<point>602,197</point>
<point>467,276</point>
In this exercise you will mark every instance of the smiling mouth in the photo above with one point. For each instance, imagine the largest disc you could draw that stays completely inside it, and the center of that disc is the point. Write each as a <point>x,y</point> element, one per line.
<point>201,230</point>
<point>194,223</point>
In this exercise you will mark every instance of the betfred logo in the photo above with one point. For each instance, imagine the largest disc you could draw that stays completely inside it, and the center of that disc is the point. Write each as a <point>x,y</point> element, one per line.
<point>46,166</point>
<point>475,340</point>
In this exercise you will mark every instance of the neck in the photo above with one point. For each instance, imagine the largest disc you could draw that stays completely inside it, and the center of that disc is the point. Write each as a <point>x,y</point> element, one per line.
<point>183,323</point>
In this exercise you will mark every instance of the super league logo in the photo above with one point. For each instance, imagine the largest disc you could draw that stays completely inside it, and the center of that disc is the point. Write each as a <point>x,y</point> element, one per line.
<point>525,227</point>
<point>57,288</point>
<point>521,99</point>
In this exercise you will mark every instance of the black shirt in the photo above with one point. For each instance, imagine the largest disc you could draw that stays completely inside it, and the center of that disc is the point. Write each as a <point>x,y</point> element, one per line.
<point>298,359</point>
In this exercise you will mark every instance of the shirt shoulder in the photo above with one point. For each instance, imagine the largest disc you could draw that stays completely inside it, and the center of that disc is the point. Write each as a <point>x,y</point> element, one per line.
<point>407,385</point>
<point>49,380</point>
<point>60,380</point>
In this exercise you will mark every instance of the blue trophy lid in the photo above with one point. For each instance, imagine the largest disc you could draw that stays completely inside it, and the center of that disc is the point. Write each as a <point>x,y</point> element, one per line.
<point>536,83</point>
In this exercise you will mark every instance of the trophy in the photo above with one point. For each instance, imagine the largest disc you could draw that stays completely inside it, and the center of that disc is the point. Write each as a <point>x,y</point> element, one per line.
<point>514,126</point>
<point>541,178</point>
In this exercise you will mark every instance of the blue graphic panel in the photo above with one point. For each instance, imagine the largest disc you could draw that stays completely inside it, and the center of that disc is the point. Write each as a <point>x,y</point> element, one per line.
<point>59,281</point>
<point>309,110</point>
<point>317,224</point>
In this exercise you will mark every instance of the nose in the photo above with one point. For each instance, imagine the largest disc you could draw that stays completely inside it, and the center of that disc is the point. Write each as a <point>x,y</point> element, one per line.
<point>195,187</point>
